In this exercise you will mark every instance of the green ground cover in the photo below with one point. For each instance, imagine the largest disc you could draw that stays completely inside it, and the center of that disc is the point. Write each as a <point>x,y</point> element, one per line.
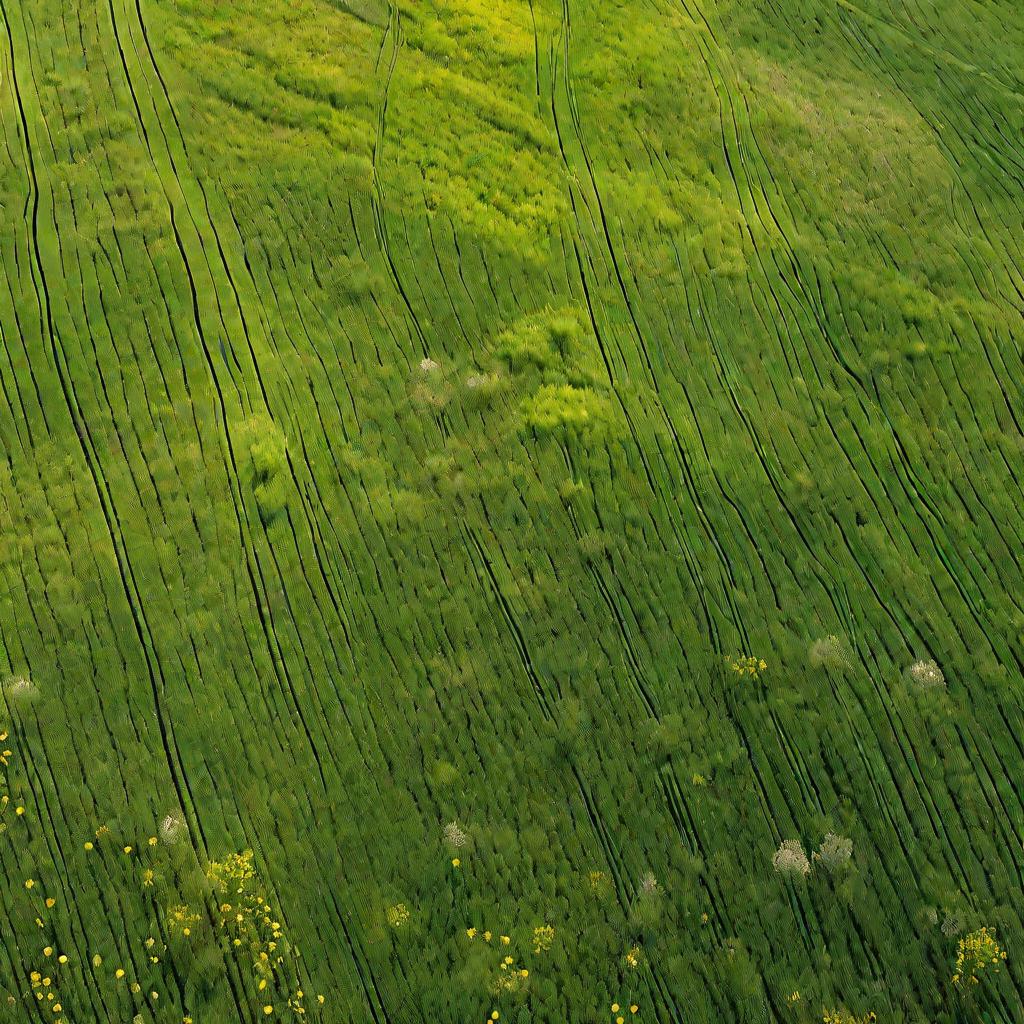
<point>511,509</point>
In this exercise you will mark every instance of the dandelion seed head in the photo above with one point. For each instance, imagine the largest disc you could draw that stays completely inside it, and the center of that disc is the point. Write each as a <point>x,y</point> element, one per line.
<point>172,828</point>
<point>454,835</point>
<point>926,674</point>
<point>790,859</point>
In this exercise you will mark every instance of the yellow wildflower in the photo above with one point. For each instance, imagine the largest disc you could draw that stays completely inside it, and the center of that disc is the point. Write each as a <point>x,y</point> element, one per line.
<point>119,973</point>
<point>47,950</point>
<point>29,883</point>
<point>88,845</point>
<point>615,1007</point>
<point>456,862</point>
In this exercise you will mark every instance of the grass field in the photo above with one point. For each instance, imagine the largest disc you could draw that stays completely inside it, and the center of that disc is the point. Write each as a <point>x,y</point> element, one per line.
<point>512,511</point>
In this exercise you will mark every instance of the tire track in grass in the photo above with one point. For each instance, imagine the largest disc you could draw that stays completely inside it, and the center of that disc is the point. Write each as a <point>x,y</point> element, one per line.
<point>87,448</point>
<point>393,34</point>
<point>652,378</point>
<point>254,570</point>
<point>952,571</point>
<point>985,348</point>
<point>752,193</point>
<point>610,853</point>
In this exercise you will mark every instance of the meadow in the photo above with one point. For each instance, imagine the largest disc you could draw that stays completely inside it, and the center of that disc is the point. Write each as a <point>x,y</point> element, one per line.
<point>511,511</point>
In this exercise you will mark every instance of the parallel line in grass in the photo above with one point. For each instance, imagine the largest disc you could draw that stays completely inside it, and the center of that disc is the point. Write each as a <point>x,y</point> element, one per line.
<point>618,274</point>
<point>30,207</point>
<point>109,511</point>
<point>266,613</point>
<point>481,562</point>
<point>179,241</point>
<point>1012,263</point>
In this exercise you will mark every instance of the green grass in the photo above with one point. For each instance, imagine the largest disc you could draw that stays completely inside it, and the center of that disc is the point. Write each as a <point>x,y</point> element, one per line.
<point>417,412</point>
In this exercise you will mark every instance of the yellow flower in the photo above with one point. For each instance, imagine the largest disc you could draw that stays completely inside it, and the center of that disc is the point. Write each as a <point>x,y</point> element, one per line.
<point>19,810</point>
<point>29,883</point>
<point>615,1007</point>
<point>88,845</point>
<point>320,1000</point>
<point>525,973</point>
<point>456,862</point>
<point>495,1015</point>
<point>505,940</point>
<point>152,840</point>
<point>471,932</point>
<point>62,959</point>
<point>56,1007</point>
<point>127,849</point>
<point>268,1010</point>
<point>50,902</point>
<point>97,961</point>
<point>620,1020</point>
<point>47,950</point>
<point>119,973</point>
<point>634,1008</point>
<point>487,936</point>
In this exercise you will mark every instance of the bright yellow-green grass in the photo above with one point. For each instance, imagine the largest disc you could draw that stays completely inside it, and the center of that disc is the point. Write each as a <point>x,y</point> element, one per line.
<point>511,510</point>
